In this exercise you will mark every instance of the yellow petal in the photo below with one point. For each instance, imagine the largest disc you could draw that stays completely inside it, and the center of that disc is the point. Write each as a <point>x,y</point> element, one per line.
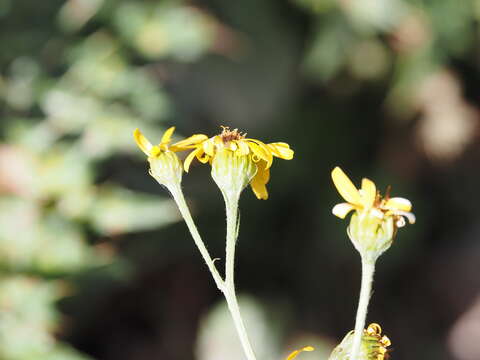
<point>167,135</point>
<point>189,158</point>
<point>345,187</point>
<point>398,203</point>
<point>342,210</point>
<point>261,151</point>
<point>202,156</point>
<point>267,151</point>
<point>142,142</point>
<point>189,143</point>
<point>294,354</point>
<point>369,192</point>
<point>281,150</point>
<point>260,181</point>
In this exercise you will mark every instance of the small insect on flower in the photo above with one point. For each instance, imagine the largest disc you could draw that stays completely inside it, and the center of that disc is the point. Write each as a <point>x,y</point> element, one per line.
<point>236,160</point>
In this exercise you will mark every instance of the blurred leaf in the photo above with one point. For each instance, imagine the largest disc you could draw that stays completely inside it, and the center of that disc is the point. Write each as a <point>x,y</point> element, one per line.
<point>75,13</point>
<point>167,29</point>
<point>329,49</point>
<point>118,211</point>
<point>27,314</point>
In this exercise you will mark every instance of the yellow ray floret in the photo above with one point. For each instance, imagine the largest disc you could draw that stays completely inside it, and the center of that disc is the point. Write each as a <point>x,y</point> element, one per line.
<point>165,167</point>
<point>368,200</point>
<point>204,149</point>
<point>153,150</point>
<point>294,354</point>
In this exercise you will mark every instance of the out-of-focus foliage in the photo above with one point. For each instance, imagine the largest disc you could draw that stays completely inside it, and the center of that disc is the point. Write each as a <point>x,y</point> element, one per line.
<point>69,106</point>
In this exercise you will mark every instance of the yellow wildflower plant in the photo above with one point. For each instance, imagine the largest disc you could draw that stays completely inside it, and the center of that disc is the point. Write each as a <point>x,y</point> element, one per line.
<point>373,345</point>
<point>165,166</point>
<point>375,221</point>
<point>294,354</point>
<point>236,160</point>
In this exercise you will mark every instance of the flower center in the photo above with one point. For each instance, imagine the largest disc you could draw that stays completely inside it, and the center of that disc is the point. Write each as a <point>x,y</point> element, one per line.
<point>228,135</point>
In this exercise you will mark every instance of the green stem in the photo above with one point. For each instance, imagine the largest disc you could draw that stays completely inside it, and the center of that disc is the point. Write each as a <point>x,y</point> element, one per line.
<point>368,268</point>
<point>227,286</point>
<point>230,295</point>
<point>177,194</point>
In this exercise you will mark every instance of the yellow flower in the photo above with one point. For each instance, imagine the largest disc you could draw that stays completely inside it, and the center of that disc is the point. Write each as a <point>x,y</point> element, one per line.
<point>368,201</point>
<point>294,354</point>
<point>153,150</point>
<point>231,145</point>
<point>165,166</point>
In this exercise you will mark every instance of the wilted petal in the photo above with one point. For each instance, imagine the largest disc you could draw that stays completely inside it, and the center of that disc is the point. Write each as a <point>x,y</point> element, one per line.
<point>258,151</point>
<point>189,142</point>
<point>260,181</point>
<point>281,150</point>
<point>189,158</point>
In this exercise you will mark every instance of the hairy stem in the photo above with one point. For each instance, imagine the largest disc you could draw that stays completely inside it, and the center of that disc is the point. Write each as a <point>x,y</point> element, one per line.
<point>184,210</point>
<point>230,295</point>
<point>368,268</point>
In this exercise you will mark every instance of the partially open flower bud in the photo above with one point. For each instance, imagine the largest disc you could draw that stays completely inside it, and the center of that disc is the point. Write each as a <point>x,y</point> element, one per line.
<point>165,167</point>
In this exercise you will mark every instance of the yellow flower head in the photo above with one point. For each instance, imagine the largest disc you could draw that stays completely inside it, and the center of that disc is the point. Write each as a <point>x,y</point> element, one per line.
<point>373,346</point>
<point>294,354</point>
<point>253,156</point>
<point>367,200</point>
<point>375,221</point>
<point>165,166</point>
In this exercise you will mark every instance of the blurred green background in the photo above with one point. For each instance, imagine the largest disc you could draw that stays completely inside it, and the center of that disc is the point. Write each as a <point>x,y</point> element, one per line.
<point>95,262</point>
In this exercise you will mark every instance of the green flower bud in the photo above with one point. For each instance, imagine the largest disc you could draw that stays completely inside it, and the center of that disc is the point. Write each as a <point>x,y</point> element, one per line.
<point>166,168</point>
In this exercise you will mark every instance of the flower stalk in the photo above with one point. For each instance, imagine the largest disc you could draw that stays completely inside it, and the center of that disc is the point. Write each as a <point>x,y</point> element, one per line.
<point>368,268</point>
<point>231,204</point>
<point>177,195</point>
<point>372,229</point>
